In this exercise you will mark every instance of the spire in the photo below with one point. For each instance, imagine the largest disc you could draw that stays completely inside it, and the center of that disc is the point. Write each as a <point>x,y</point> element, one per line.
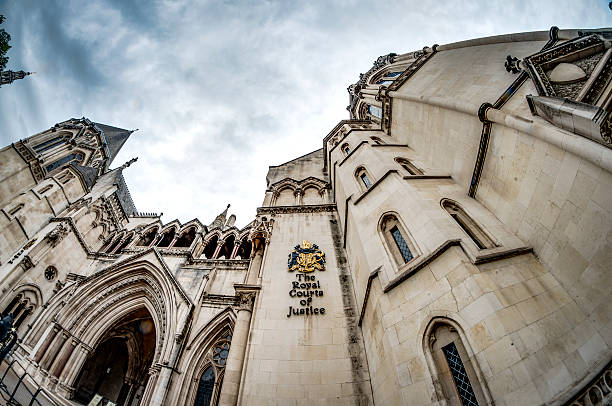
<point>8,76</point>
<point>115,138</point>
<point>220,220</point>
<point>128,163</point>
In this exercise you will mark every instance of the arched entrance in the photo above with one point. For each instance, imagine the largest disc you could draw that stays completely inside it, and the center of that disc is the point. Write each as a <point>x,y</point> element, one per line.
<point>117,368</point>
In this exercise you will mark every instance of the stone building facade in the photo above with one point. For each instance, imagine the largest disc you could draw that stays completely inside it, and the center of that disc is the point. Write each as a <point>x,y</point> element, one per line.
<point>449,244</point>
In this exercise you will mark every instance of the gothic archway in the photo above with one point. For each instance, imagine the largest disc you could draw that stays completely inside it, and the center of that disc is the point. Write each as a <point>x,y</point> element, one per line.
<point>117,368</point>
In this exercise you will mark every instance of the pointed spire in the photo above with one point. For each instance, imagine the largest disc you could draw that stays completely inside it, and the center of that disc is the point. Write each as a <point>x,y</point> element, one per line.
<point>220,219</point>
<point>115,138</point>
<point>8,76</point>
<point>128,163</point>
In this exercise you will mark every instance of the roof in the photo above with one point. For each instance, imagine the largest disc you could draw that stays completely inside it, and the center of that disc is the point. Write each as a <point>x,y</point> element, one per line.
<point>115,138</point>
<point>123,194</point>
<point>88,173</point>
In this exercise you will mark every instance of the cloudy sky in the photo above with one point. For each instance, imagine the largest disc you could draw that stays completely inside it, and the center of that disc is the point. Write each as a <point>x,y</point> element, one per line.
<point>220,90</point>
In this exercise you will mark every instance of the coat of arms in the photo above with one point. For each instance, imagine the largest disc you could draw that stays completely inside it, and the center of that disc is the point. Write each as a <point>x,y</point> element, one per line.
<point>306,258</point>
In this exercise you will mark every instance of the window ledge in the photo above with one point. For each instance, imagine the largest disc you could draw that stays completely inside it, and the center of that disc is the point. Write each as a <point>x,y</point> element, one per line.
<point>411,177</point>
<point>412,267</point>
<point>374,185</point>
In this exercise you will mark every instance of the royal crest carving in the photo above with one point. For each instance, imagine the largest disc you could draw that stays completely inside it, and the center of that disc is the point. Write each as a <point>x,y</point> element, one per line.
<point>306,258</point>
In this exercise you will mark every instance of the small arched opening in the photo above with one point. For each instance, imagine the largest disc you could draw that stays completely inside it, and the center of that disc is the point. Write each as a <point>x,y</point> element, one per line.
<point>167,238</point>
<point>186,238</point>
<point>211,247</point>
<point>244,251</point>
<point>227,248</point>
<point>147,238</point>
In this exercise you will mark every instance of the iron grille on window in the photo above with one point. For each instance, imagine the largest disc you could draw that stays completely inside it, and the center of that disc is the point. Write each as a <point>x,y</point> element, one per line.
<point>464,388</point>
<point>401,244</point>
<point>366,180</point>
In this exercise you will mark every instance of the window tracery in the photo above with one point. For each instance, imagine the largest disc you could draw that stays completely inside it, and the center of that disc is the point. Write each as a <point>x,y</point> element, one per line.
<point>211,379</point>
<point>76,157</point>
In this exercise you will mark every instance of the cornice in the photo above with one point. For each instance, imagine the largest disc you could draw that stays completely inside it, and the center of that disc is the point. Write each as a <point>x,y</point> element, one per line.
<point>308,208</point>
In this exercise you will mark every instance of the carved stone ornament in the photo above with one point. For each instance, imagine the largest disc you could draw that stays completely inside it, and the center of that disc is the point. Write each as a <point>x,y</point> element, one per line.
<point>57,234</point>
<point>245,300</point>
<point>512,64</point>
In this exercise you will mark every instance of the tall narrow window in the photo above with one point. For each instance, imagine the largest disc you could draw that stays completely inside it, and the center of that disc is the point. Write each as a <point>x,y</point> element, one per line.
<point>375,111</point>
<point>460,376</point>
<point>455,370</point>
<point>346,149</point>
<point>206,387</point>
<point>77,157</point>
<point>365,180</point>
<point>408,166</point>
<point>397,240</point>
<point>377,140</point>
<point>47,145</point>
<point>468,225</point>
<point>401,244</point>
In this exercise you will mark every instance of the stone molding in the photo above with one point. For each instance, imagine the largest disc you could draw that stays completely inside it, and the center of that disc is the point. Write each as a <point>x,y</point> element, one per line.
<point>309,208</point>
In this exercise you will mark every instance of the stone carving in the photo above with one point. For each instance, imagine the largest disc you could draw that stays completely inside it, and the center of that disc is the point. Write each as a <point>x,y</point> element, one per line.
<point>512,64</point>
<point>306,258</point>
<point>56,235</point>
<point>245,300</point>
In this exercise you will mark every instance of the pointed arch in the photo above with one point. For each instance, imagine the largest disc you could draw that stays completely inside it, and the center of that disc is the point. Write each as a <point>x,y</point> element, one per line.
<point>467,224</point>
<point>450,360</point>
<point>227,248</point>
<point>166,238</point>
<point>200,357</point>
<point>211,246</point>
<point>396,239</point>
<point>148,236</point>
<point>186,237</point>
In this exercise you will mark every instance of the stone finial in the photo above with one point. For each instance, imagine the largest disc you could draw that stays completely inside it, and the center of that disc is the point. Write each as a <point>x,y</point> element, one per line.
<point>512,64</point>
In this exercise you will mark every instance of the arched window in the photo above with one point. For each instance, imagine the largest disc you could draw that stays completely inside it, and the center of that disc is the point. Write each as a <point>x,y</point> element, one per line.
<point>22,306</point>
<point>125,243</point>
<point>206,387</point>
<point>167,238</point>
<point>363,178</point>
<point>244,251</point>
<point>114,244</point>
<point>75,157</point>
<point>375,111</point>
<point>467,224</point>
<point>454,367</point>
<point>147,238</point>
<point>211,247</point>
<point>186,238</point>
<point>346,149</point>
<point>377,140</point>
<point>51,143</point>
<point>227,248</point>
<point>408,166</point>
<point>397,240</point>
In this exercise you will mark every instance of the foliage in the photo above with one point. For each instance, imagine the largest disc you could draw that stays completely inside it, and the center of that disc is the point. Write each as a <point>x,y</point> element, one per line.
<point>4,45</point>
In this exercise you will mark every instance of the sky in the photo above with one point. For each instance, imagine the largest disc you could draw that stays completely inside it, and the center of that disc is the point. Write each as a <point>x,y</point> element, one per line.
<point>220,90</point>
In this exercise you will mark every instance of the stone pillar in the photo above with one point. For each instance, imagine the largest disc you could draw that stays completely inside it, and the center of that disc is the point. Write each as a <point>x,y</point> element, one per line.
<point>53,350</point>
<point>148,392</point>
<point>216,253</point>
<point>235,250</point>
<point>49,336</point>
<point>63,357</point>
<point>71,370</point>
<point>165,374</point>
<point>256,260</point>
<point>235,359</point>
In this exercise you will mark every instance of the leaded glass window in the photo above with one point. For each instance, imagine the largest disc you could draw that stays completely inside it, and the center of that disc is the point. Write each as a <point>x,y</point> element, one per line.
<point>401,244</point>
<point>375,111</point>
<point>462,382</point>
<point>205,387</point>
<point>365,180</point>
<point>385,82</point>
<point>53,142</point>
<point>64,160</point>
<point>393,74</point>
<point>221,352</point>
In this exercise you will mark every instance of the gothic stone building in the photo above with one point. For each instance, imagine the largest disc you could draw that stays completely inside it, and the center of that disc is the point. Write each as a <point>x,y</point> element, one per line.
<point>449,244</point>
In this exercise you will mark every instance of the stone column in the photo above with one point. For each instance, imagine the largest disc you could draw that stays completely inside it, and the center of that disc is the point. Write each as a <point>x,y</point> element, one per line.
<point>53,350</point>
<point>163,379</point>
<point>49,336</point>
<point>256,260</point>
<point>235,250</point>
<point>235,359</point>
<point>216,253</point>
<point>148,392</point>
<point>70,372</point>
<point>63,357</point>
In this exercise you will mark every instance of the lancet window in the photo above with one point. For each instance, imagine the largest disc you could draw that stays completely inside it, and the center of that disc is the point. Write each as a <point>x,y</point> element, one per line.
<point>408,166</point>
<point>363,178</point>
<point>75,157</point>
<point>211,247</point>
<point>377,140</point>
<point>51,143</point>
<point>397,240</point>
<point>21,307</point>
<point>244,251</point>
<point>211,379</point>
<point>346,149</point>
<point>467,224</point>
<point>375,111</point>
<point>186,238</point>
<point>456,370</point>
<point>147,238</point>
<point>167,238</point>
